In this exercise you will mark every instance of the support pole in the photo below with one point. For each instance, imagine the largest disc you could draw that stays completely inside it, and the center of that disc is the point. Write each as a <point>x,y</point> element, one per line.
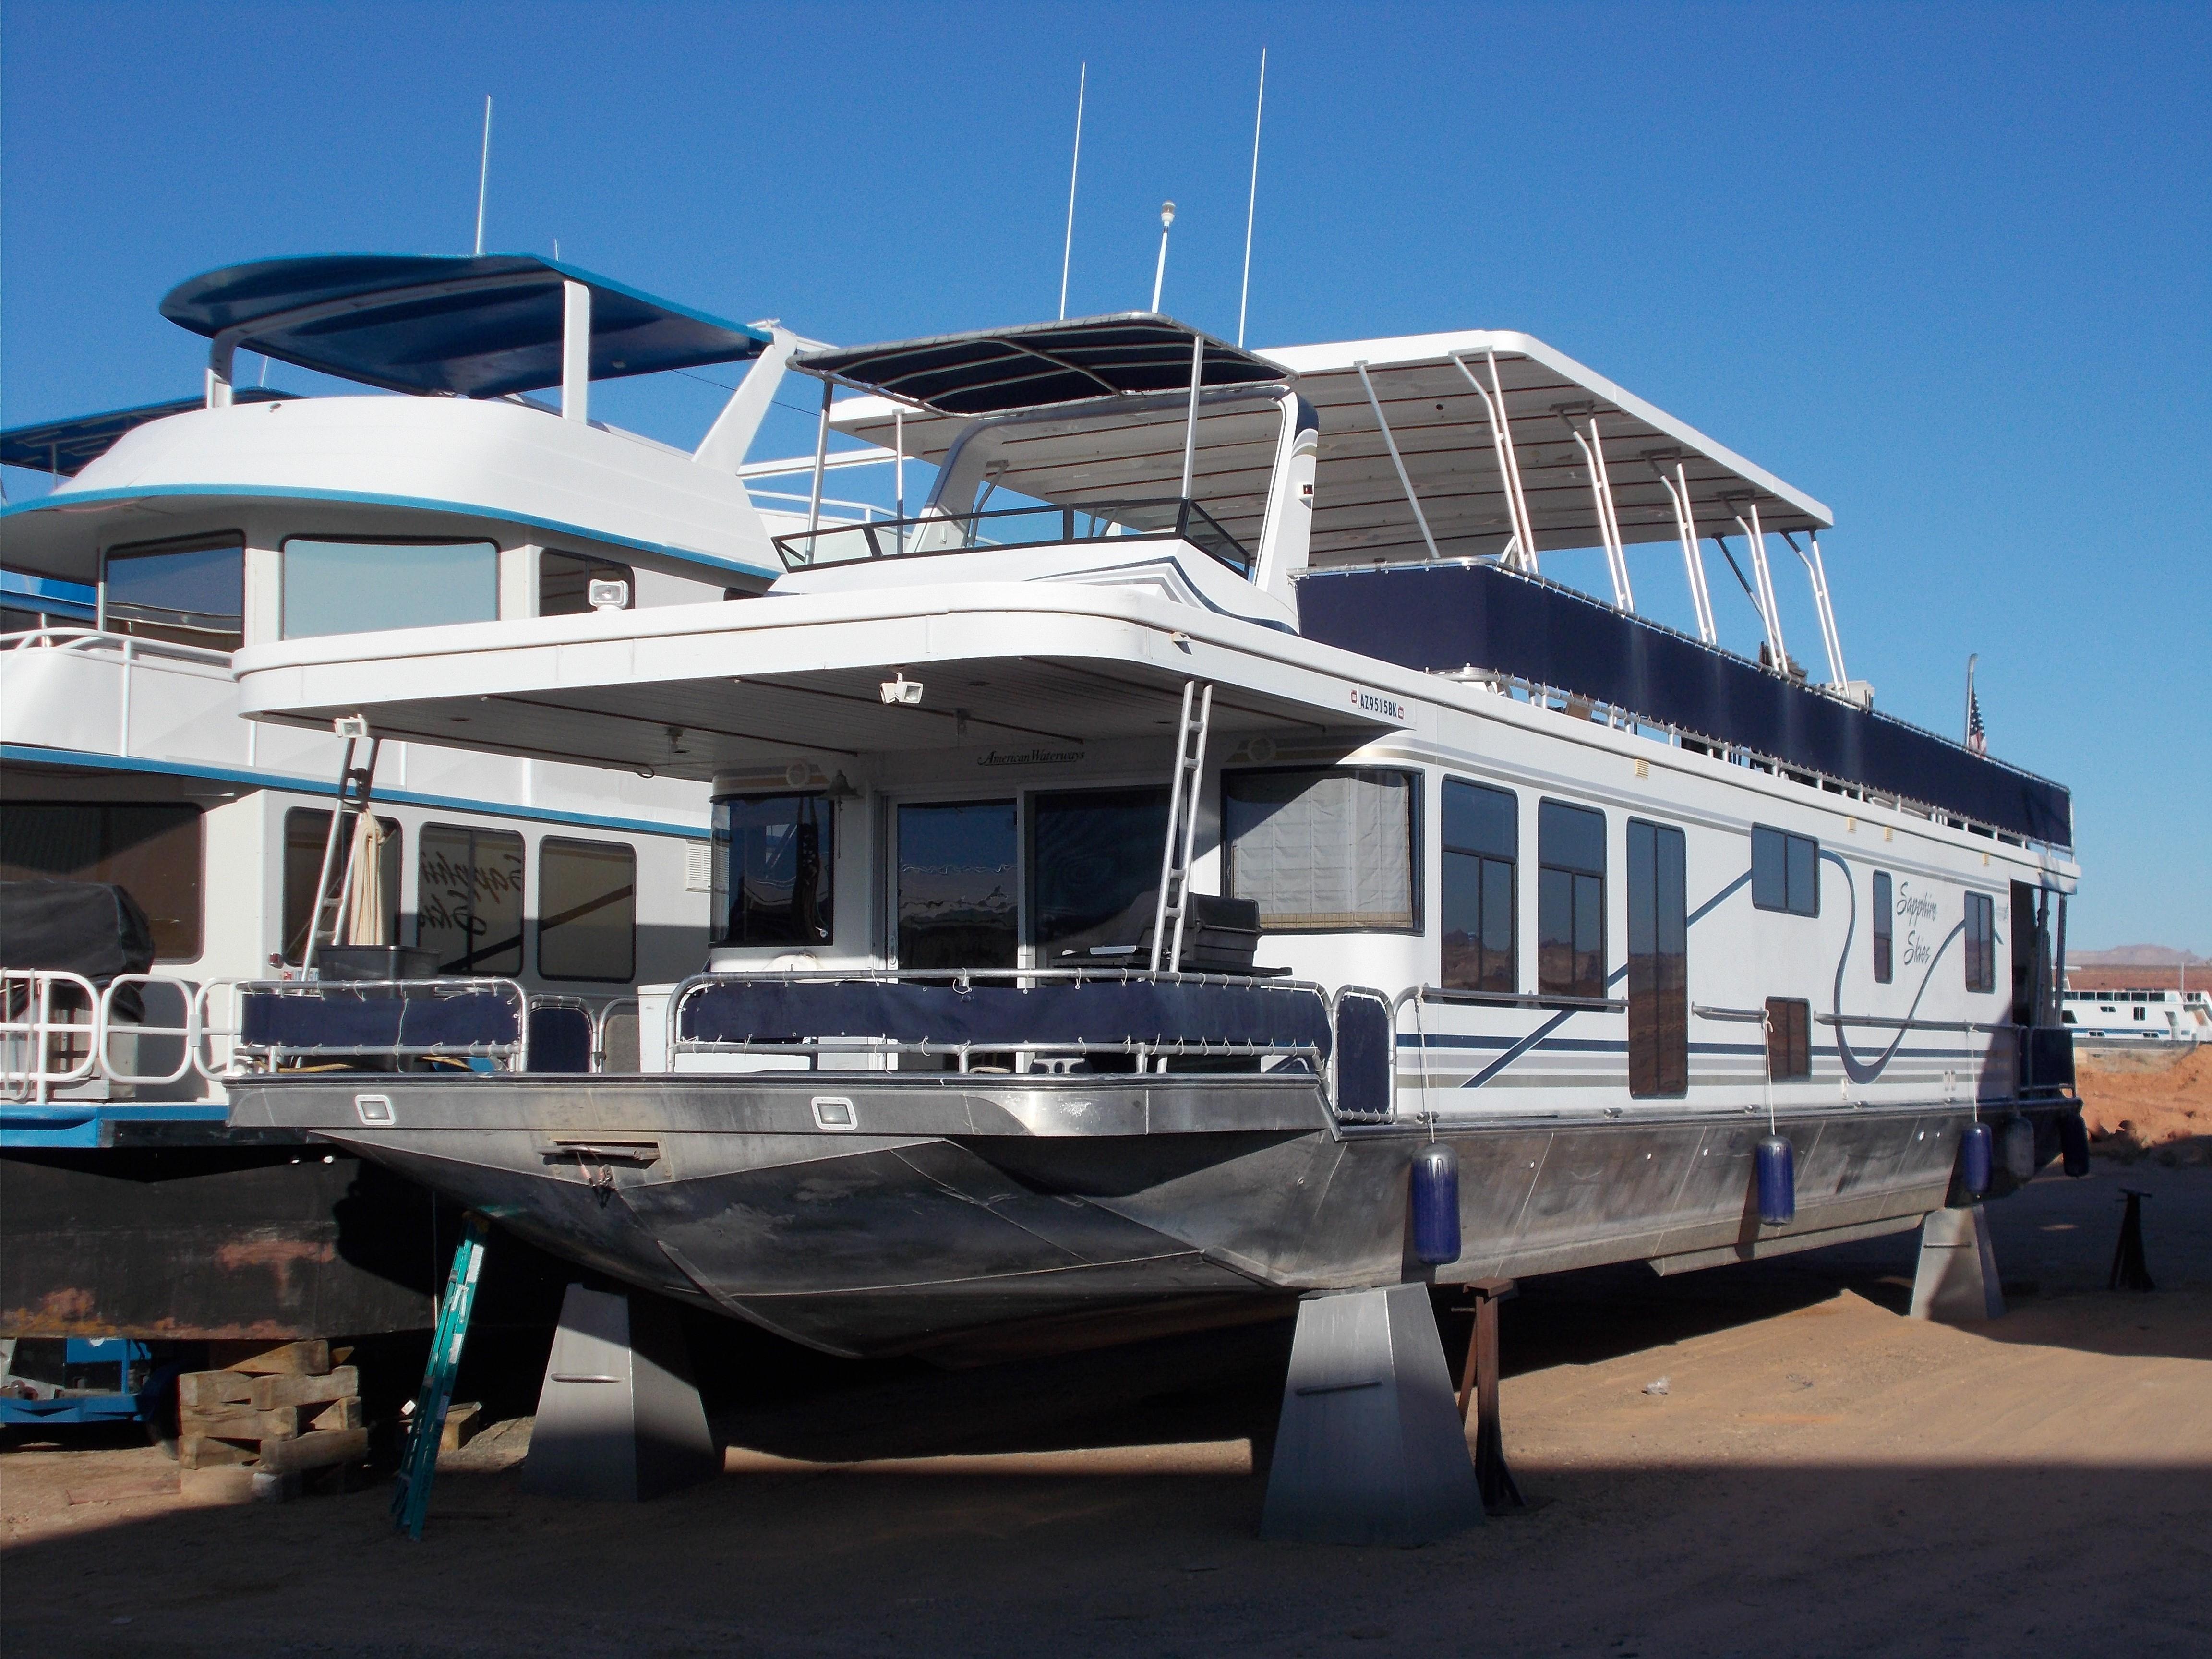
<point>1190,419</point>
<point>1956,1280</point>
<point>575,351</point>
<point>1763,574</point>
<point>821,462</point>
<point>1252,197</point>
<point>1479,1386</point>
<point>1522,552</point>
<point>1693,558</point>
<point>1816,573</point>
<point>898,453</point>
<point>1390,443</point>
<point>1067,244</point>
<point>1608,527</point>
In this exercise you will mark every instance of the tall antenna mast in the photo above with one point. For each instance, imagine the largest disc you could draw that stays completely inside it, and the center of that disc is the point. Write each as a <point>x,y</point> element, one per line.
<point>1068,246</point>
<point>1160,271</point>
<point>1252,201</point>
<point>483,174</point>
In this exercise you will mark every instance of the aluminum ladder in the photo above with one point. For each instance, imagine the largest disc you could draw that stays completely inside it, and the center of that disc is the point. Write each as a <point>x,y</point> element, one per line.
<point>411,1502</point>
<point>355,785</point>
<point>1182,825</point>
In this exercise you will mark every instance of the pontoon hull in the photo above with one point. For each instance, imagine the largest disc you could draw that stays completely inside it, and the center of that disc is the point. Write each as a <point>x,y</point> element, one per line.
<point>962,1213</point>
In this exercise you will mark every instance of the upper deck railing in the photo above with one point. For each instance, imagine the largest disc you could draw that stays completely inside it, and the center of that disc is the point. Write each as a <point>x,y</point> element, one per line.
<point>1166,519</point>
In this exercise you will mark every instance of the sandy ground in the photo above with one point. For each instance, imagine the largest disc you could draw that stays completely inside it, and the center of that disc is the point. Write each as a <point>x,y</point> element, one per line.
<point>1821,1476</point>
<point>2155,1099</point>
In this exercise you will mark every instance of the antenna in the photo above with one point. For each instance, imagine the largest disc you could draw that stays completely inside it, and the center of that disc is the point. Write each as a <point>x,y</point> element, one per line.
<point>1252,201</point>
<point>1068,246</point>
<point>483,175</point>
<point>1160,271</point>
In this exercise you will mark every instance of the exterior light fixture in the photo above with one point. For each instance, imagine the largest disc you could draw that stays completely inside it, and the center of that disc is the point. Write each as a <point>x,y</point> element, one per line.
<point>901,690</point>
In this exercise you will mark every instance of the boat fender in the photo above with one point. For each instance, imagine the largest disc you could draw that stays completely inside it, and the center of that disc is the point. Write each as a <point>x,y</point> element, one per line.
<point>2073,1144</point>
<point>1974,1159</point>
<point>1777,1183</point>
<point>2016,1146</point>
<point>1435,1197</point>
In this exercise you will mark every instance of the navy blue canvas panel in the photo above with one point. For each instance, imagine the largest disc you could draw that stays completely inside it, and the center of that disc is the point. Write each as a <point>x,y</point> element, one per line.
<point>478,327</point>
<point>1445,616</point>
<point>367,1024</point>
<point>985,1015</point>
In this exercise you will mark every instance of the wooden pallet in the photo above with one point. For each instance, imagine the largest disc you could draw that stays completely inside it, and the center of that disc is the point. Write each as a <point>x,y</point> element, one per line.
<point>279,1412</point>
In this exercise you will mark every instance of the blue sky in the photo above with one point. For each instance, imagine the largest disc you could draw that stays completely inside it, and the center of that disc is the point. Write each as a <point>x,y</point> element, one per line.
<point>1946,268</point>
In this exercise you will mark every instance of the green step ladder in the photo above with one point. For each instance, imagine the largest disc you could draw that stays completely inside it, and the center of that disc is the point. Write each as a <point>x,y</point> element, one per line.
<point>417,1469</point>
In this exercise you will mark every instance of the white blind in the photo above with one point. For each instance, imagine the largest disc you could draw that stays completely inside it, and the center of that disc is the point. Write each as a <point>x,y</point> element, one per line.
<point>1322,851</point>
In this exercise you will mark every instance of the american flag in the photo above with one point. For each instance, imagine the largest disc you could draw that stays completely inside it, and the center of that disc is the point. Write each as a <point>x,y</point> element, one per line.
<point>1977,738</point>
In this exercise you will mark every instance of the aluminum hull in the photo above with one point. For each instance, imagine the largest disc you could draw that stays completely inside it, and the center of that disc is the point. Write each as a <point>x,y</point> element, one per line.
<point>962,1213</point>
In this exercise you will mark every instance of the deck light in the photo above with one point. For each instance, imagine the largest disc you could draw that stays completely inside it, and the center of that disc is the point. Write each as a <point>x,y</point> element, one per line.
<point>900,689</point>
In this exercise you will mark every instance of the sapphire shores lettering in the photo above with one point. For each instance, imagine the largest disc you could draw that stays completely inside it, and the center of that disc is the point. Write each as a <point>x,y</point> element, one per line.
<point>1915,914</point>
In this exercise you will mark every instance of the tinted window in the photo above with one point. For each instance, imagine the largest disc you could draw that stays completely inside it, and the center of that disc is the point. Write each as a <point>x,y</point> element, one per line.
<point>307,833</point>
<point>1789,1038</point>
<point>192,593</point>
<point>775,864</point>
<point>1885,924</point>
<point>152,852</point>
<point>586,909</point>
<point>1658,962</point>
<point>1323,851</point>
<point>957,890</point>
<point>468,900</point>
<point>1785,871</point>
<point>1094,867</point>
<point>1569,900</point>
<point>1981,952</point>
<point>359,587</point>
<point>1481,837</point>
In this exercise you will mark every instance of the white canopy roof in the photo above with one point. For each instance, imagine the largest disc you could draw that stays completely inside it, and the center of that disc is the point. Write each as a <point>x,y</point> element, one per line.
<point>1439,422</point>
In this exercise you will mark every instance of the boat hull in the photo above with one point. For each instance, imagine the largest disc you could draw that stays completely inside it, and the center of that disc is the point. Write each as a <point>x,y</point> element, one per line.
<point>966,1215</point>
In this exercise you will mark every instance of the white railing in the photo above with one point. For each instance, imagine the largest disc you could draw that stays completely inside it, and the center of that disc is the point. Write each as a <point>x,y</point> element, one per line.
<point>124,651</point>
<point>40,1050</point>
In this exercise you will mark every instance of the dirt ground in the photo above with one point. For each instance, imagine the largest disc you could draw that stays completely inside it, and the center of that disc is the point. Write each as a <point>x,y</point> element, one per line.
<point>2152,1098</point>
<point>1820,1476</point>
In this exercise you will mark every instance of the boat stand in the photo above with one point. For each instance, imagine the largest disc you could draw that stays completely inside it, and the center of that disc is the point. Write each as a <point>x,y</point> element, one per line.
<point>1369,1448</point>
<point>618,1417</point>
<point>1477,1386</point>
<point>1957,1278</point>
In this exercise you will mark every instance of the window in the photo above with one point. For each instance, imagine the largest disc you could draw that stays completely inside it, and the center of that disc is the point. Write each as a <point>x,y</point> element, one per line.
<point>191,592</point>
<point>306,832</point>
<point>1094,868</point>
<point>1658,962</point>
<point>586,910</point>
<point>468,900</point>
<point>1322,851</point>
<point>1885,925</point>
<point>774,860</point>
<point>564,582</point>
<point>1481,845</point>
<point>1569,900</point>
<point>359,587</point>
<point>1785,871</point>
<point>1788,1039</point>
<point>958,897</point>
<point>1981,943</point>
<point>152,851</point>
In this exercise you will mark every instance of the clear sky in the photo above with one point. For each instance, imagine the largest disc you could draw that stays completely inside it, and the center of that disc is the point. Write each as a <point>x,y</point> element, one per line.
<point>1945,268</point>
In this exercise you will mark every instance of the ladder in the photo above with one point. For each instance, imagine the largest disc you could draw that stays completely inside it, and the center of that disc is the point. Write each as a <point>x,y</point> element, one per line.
<point>411,1502</point>
<point>1183,826</point>
<point>355,785</point>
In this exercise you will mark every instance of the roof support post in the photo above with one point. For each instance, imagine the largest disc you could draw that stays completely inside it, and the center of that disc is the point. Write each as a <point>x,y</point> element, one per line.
<point>1608,525</point>
<point>1693,558</point>
<point>1764,575</point>
<point>1390,443</point>
<point>1190,420</point>
<point>222,356</point>
<point>575,352</point>
<point>898,471</point>
<point>1817,572</point>
<point>1521,552</point>
<point>821,463</point>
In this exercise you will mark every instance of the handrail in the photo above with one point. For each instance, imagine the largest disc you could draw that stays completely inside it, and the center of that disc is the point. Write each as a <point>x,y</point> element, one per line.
<point>604,1018</point>
<point>1742,1016</point>
<point>1437,994</point>
<point>26,1044</point>
<point>1885,1024</point>
<point>87,641</point>
<point>104,1028</point>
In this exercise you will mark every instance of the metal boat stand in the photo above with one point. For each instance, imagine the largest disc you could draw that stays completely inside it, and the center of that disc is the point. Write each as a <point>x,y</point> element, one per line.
<point>1957,1278</point>
<point>1477,1386</point>
<point>1369,1448</point>
<point>619,1417</point>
